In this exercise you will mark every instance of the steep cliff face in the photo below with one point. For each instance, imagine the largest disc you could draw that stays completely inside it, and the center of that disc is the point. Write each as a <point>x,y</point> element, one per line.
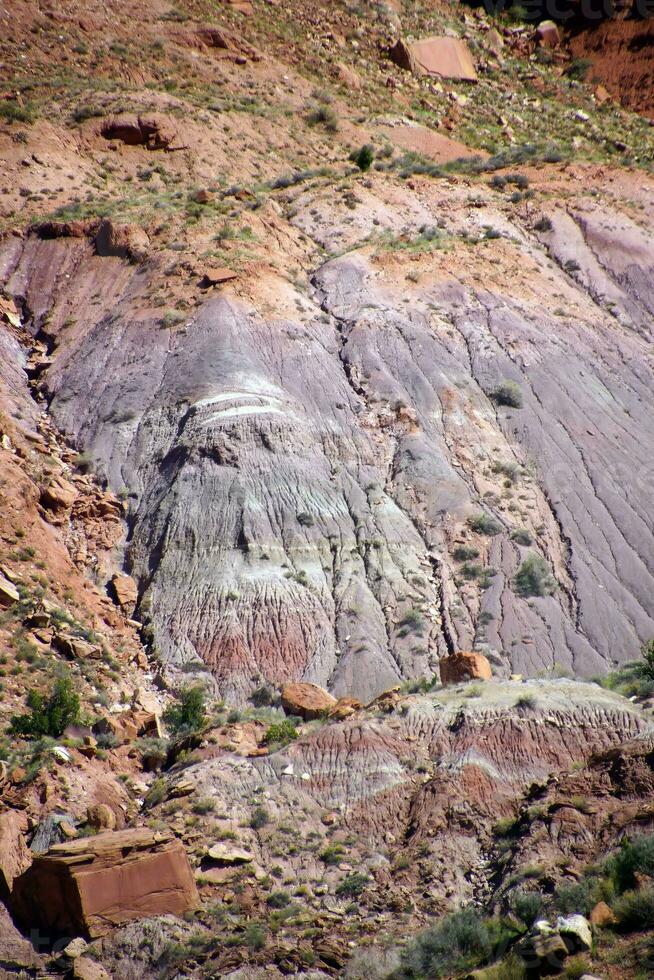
<point>299,485</point>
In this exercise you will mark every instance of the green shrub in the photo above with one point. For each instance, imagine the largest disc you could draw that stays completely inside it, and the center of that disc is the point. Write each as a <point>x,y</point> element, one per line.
<point>527,905</point>
<point>464,552</point>
<point>353,884</point>
<point>508,393</point>
<point>459,942</point>
<point>527,701</point>
<point>583,895</point>
<point>188,713</point>
<point>324,115</point>
<point>484,524</point>
<point>332,854</point>
<point>260,817</point>
<point>255,936</point>
<point>634,856</point>
<point>521,536</point>
<point>13,111</point>
<point>635,909</point>
<point>49,715</point>
<point>364,157</point>
<point>281,732</point>
<point>533,578</point>
<point>278,900</point>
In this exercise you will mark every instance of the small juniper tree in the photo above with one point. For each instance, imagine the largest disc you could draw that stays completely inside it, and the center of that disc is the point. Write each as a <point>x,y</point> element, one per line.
<point>188,713</point>
<point>49,716</point>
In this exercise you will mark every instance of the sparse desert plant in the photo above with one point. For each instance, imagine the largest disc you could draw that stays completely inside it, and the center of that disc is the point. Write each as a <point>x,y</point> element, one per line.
<point>364,157</point>
<point>458,943</point>
<point>281,733</point>
<point>260,817</point>
<point>533,578</point>
<point>508,393</point>
<point>635,909</point>
<point>323,115</point>
<point>484,524</point>
<point>521,536</point>
<point>526,701</point>
<point>353,884</point>
<point>465,552</point>
<point>49,715</point>
<point>188,713</point>
<point>527,905</point>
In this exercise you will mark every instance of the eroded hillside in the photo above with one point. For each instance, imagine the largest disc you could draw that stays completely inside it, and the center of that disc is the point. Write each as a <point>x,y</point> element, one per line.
<point>315,369</point>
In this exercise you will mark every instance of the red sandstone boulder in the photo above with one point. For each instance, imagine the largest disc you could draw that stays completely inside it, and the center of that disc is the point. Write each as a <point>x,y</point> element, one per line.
<point>59,494</point>
<point>122,241</point>
<point>446,57</point>
<point>8,592</point>
<point>345,707</point>
<point>14,853</point>
<point>465,667</point>
<point>125,591</point>
<point>306,700</point>
<point>124,127</point>
<point>217,275</point>
<point>89,886</point>
<point>547,34</point>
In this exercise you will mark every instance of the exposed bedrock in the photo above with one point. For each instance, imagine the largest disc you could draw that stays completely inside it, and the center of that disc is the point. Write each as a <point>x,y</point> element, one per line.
<point>298,488</point>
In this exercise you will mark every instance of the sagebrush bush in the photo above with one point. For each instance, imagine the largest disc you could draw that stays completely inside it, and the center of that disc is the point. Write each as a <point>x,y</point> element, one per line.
<point>635,855</point>
<point>459,942</point>
<point>353,884</point>
<point>508,393</point>
<point>527,905</point>
<point>635,909</point>
<point>533,578</point>
<point>484,524</point>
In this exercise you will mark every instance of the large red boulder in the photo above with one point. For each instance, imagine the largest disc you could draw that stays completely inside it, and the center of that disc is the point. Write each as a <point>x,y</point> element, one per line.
<point>86,887</point>
<point>465,667</point>
<point>306,700</point>
<point>444,57</point>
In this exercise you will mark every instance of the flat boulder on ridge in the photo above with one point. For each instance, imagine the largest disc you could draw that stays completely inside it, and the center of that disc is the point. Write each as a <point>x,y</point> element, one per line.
<point>306,700</point>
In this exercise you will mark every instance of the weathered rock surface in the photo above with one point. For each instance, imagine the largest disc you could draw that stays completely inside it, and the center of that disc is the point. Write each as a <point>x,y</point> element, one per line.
<point>306,700</point>
<point>87,887</point>
<point>445,57</point>
<point>464,667</point>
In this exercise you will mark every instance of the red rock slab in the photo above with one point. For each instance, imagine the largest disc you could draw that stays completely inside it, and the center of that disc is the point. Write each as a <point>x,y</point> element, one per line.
<point>426,142</point>
<point>447,57</point>
<point>88,886</point>
<point>306,700</point>
<point>218,275</point>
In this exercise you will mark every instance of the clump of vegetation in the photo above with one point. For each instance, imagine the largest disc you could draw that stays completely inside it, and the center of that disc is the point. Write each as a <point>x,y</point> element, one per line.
<point>363,157</point>
<point>13,111</point>
<point>281,733</point>
<point>260,817</point>
<point>465,552</point>
<point>332,854</point>
<point>188,714</point>
<point>526,701</point>
<point>484,524</point>
<point>324,115</point>
<point>458,943</point>
<point>508,393</point>
<point>49,715</point>
<point>633,679</point>
<point>352,885</point>
<point>533,578</point>
<point>527,905</point>
<point>521,536</point>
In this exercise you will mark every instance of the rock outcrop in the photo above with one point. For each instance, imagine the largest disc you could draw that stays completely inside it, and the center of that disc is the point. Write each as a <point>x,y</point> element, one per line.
<point>464,667</point>
<point>88,886</point>
<point>445,57</point>
<point>306,700</point>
